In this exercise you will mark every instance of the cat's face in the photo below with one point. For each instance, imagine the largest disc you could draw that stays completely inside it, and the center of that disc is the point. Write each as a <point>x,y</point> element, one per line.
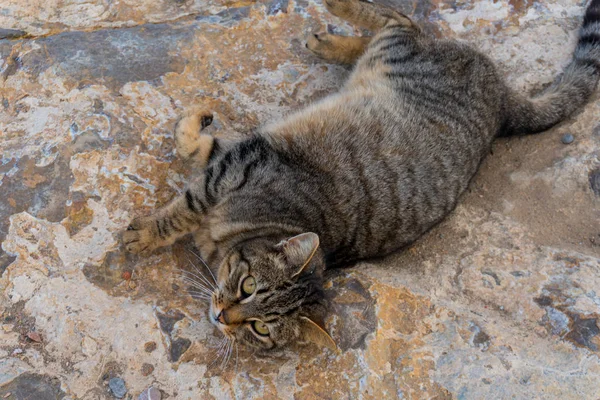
<point>264,292</point>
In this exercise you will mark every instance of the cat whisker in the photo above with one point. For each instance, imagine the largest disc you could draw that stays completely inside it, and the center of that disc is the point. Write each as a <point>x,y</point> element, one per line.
<point>236,356</point>
<point>195,284</point>
<point>203,298</point>
<point>200,296</point>
<point>200,278</point>
<point>200,292</point>
<point>224,357</point>
<point>205,265</point>
<point>228,354</point>
<point>200,274</point>
<point>216,353</point>
<point>220,350</point>
<point>190,273</point>
<point>225,340</point>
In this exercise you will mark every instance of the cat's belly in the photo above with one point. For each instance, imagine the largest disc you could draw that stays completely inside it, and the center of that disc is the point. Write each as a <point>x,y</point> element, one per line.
<point>385,215</point>
<point>397,189</point>
<point>388,168</point>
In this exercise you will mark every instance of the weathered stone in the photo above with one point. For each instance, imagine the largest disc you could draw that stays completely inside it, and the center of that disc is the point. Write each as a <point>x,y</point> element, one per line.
<point>151,393</point>
<point>177,348</point>
<point>354,309</point>
<point>584,332</point>
<point>276,6</point>
<point>110,57</point>
<point>168,320</point>
<point>499,301</point>
<point>595,181</point>
<point>32,386</point>
<point>147,369</point>
<point>567,138</point>
<point>11,33</point>
<point>149,347</point>
<point>117,387</point>
<point>34,336</point>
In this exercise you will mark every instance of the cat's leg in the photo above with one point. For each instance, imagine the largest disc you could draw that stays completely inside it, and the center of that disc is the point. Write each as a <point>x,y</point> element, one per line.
<point>372,16</point>
<point>182,215</point>
<point>190,142</point>
<point>207,246</point>
<point>368,15</point>
<point>336,48</point>
<point>162,228</point>
<point>179,217</point>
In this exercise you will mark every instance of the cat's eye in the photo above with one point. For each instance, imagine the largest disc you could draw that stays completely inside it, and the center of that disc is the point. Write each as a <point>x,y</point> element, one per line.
<point>248,285</point>
<point>261,328</point>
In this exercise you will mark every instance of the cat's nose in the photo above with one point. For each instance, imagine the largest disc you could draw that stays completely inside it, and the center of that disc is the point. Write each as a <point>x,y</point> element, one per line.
<point>221,317</point>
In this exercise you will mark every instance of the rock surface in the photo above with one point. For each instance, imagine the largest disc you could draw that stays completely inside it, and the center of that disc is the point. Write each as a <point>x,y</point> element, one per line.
<point>502,300</point>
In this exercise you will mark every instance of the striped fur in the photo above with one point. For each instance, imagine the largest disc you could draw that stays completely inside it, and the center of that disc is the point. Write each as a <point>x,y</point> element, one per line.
<point>368,169</point>
<point>568,92</point>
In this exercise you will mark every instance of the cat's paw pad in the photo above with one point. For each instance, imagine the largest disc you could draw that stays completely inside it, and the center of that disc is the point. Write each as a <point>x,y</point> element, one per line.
<point>190,143</point>
<point>198,116</point>
<point>193,122</point>
<point>139,236</point>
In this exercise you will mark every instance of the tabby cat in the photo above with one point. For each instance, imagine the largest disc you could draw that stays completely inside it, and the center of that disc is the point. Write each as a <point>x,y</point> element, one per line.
<point>361,173</point>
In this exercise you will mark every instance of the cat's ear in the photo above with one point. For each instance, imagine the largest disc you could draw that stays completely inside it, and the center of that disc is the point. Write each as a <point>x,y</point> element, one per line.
<point>312,332</point>
<point>299,250</point>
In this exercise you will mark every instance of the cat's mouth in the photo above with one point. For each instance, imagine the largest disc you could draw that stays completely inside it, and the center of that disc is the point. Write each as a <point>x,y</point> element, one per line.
<point>216,315</point>
<point>217,318</point>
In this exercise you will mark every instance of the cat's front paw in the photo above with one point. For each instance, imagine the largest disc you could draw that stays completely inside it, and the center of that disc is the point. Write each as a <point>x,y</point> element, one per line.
<point>141,236</point>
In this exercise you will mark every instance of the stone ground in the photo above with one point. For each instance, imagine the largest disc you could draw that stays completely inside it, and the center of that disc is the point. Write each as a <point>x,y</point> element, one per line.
<point>500,301</point>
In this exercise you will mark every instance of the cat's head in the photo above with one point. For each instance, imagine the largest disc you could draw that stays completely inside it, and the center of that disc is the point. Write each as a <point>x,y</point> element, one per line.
<point>268,294</point>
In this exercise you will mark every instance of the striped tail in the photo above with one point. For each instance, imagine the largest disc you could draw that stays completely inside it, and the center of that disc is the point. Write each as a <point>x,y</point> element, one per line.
<point>569,91</point>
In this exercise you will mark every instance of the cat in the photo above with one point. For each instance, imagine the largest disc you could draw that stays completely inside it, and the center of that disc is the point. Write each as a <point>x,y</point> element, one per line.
<point>359,174</point>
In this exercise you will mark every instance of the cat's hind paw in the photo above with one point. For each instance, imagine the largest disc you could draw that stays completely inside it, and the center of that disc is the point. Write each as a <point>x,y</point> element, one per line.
<point>336,48</point>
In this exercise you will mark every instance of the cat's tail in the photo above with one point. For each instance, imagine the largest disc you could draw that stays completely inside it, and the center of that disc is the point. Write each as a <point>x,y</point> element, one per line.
<point>569,91</point>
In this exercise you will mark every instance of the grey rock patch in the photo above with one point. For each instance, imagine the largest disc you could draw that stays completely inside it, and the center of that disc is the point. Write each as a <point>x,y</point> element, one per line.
<point>480,338</point>
<point>354,310</point>
<point>583,331</point>
<point>151,393</point>
<point>277,6</point>
<point>177,348</point>
<point>492,274</point>
<point>567,138</point>
<point>117,387</point>
<point>5,260</point>
<point>168,320</point>
<point>557,321</point>
<point>12,33</point>
<point>30,386</point>
<point>112,57</point>
<point>595,181</point>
